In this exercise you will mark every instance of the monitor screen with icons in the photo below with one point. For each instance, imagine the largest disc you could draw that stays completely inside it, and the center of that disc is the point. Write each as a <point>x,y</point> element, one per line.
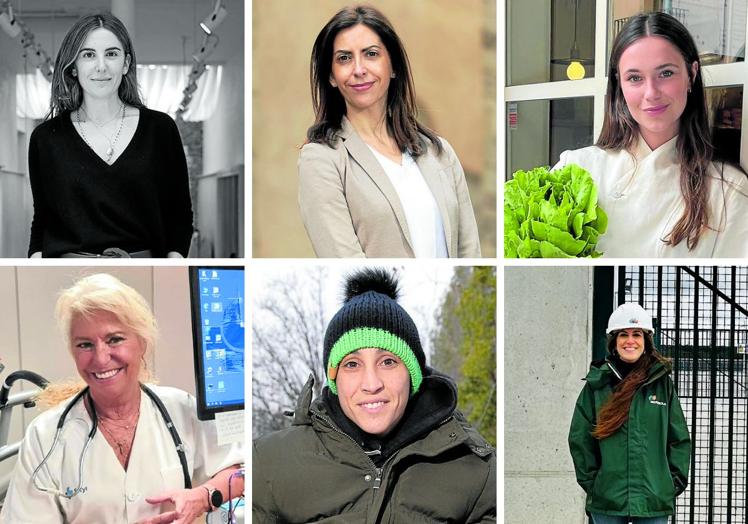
<point>218,315</point>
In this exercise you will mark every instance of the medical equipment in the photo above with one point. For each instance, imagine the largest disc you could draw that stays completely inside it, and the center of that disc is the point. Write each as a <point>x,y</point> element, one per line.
<point>228,513</point>
<point>85,395</point>
<point>218,321</point>
<point>7,403</point>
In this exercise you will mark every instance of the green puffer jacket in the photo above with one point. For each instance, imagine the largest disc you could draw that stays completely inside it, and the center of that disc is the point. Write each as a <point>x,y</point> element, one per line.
<point>640,469</point>
<point>314,472</point>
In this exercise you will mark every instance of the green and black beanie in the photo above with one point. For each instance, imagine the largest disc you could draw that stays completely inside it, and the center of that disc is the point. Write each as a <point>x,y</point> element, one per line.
<point>372,318</point>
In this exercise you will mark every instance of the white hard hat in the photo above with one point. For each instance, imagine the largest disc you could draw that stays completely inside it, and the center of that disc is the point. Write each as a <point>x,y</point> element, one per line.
<point>628,316</point>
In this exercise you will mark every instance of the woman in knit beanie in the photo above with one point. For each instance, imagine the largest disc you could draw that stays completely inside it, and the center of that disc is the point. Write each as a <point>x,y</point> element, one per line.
<point>384,441</point>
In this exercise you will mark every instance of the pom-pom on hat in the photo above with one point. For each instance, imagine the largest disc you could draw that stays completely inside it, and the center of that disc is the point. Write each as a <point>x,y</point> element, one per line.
<point>372,318</point>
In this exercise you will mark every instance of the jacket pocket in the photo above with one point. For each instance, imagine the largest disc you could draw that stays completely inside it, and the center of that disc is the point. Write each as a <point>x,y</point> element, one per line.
<point>608,491</point>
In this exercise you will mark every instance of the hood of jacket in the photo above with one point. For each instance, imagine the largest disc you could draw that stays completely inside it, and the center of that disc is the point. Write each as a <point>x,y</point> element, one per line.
<point>445,473</point>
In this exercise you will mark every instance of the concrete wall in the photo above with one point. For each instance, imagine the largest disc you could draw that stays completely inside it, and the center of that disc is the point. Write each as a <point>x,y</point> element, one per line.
<point>32,341</point>
<point>547,349</point>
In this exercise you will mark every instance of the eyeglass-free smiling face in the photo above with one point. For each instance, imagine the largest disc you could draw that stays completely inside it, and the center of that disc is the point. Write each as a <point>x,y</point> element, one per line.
<point>100,64</point>
<point>655,79</point>
<point>630,344</point>
<point>108,356</point>
<point>361,69</point>
<point>373,389</point>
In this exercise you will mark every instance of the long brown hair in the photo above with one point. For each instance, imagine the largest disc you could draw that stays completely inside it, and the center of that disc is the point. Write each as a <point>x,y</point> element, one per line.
<point>693,146</point>
<point>328,103</point>
<point>615,411</point>
<point>67,94</point>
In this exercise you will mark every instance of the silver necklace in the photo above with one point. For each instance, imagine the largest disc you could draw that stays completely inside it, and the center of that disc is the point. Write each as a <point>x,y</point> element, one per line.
<point>110,150</point>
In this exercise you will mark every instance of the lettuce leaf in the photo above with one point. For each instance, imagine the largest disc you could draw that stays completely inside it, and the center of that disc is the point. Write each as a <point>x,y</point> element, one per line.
<point>552,214</point>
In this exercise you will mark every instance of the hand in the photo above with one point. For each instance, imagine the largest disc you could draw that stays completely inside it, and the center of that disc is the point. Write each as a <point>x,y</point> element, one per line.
<point>189,504</point>
<point>36,254</point>
<point>174,254</point>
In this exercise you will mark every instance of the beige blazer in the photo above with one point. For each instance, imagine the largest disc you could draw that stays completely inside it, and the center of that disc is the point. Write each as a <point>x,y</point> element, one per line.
<point>351,209</point>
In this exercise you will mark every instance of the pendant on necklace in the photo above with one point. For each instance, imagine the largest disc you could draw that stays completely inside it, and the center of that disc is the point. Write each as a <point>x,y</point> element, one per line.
<point>109,153</point>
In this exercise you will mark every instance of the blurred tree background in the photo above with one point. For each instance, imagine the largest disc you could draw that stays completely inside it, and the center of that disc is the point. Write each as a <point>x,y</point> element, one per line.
<point>464,344</point>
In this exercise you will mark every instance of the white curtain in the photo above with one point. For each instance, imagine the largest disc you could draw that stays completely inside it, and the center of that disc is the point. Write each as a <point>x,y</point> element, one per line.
<point>32,95</point>
<point>160,85</point>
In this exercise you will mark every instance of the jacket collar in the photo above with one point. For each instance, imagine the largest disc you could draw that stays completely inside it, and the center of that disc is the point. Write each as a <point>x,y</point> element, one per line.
<point>454,431</point>
<point>602,371</point>
<point>430,169</point>
<point>302,414</point>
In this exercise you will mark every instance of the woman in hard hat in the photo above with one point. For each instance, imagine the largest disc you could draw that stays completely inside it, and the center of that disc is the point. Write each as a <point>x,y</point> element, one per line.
<point>656,140</point>
<point>628,438</point>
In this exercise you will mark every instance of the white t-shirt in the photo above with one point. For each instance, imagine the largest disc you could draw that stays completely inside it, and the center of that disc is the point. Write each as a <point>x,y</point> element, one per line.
<point>109,494</point>
<point>421,211</point>
<point>640,192</point>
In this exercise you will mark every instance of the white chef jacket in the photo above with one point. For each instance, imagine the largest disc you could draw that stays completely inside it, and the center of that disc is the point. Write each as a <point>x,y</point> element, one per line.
<point>640,192</point>
<point>109,494</point>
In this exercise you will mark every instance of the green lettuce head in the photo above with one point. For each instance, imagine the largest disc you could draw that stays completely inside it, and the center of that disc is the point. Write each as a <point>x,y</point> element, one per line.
<point>552,214</point>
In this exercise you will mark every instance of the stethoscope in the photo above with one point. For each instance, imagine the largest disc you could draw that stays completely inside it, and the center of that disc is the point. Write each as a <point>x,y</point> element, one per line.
<point>70,493</point>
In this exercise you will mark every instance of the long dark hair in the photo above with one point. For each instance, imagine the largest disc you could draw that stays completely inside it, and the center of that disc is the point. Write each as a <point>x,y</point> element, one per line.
<point>67,94</point>
<point>328,103</point>
<point>615,411</point>
<point>693,146</point>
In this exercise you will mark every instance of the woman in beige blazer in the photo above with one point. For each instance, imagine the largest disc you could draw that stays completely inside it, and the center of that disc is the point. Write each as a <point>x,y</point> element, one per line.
<point>373,182</point>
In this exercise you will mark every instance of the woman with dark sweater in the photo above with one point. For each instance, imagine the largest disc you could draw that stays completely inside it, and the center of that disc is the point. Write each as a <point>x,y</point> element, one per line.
<point>108,176</point>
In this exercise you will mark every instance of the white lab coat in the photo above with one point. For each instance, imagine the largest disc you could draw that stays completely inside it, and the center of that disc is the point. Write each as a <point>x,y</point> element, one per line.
<point>109,494</point>
<point>640,192</point>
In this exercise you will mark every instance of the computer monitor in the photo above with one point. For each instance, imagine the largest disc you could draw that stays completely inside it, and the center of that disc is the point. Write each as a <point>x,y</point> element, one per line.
<point>218,309</point>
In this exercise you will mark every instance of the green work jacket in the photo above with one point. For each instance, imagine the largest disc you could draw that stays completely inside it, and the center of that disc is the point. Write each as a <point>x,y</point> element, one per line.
<point>640,469</point>
<point>314,472</point>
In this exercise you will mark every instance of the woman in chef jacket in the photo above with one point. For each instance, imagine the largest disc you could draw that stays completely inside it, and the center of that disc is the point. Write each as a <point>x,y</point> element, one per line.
<point>665,192</point>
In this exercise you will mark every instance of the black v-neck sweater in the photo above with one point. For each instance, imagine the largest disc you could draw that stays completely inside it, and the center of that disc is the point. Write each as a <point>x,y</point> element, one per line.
<point>81,203</point>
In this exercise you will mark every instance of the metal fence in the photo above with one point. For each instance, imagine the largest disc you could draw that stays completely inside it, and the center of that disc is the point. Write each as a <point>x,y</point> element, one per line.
<point>702,318</point>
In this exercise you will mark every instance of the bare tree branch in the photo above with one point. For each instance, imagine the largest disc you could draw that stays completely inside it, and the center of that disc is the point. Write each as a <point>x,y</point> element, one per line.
<point>288,330</point>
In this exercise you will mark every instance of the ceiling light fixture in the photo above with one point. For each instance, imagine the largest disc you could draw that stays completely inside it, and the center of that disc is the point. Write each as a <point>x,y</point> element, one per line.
<point>9,23</point>
<point>575,65</point>
<point>214,19</point>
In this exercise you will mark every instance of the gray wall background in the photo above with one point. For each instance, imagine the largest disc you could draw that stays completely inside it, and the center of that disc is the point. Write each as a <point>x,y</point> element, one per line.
<point>547,350</point>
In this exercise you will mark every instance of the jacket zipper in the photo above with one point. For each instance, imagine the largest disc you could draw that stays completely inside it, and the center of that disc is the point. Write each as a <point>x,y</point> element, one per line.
<point>615,371</point>
<point>378,471</point>
<point>378,479</point>
<point>662,372</point>
<point>332,425</point>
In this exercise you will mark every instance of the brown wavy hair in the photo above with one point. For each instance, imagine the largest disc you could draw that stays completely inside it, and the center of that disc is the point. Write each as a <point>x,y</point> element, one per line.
<point>329,105</point>
<point>615,411</point>
<point>67,94</point>
<point>694,148</point>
